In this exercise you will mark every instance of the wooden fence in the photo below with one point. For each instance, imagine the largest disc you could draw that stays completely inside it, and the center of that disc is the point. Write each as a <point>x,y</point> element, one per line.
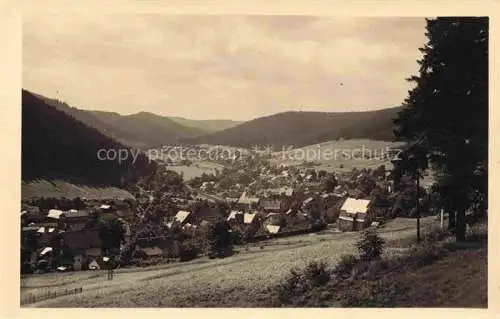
<point>32,298</point>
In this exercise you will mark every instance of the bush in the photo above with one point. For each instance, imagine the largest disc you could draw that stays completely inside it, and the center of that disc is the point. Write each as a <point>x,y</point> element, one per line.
<point>318,226</point>
<point>426,255</point>
<point>188,251</point>
<point>370,246</point>
<point>381,293</point>
<point>299,282</point>
<point>291,286</point>
<point>435,234</point>
<point>316,274</point>
<point>219,239</point>
<point>345,266</point>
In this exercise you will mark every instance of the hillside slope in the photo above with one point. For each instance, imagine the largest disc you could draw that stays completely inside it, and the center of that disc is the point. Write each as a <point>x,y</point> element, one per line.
<point>305,128</point>
<point>147,129</point>
<point>140,130</point>
<point>57,146</point>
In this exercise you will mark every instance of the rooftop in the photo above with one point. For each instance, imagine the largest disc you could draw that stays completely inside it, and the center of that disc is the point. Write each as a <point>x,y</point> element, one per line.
<point>352,205</point>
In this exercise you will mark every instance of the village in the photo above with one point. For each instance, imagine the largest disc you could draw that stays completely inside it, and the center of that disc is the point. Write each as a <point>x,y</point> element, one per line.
<point>166,219</point>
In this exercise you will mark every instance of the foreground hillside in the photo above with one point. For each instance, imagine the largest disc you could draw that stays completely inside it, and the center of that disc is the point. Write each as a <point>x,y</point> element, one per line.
<point>305,128</point>
<point>190,284</point>
<point>253,277</point>
<point>57,146</point>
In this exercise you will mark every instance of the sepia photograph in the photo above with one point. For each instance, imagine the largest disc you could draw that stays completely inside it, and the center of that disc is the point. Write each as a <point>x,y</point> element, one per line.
<point>256,161</point>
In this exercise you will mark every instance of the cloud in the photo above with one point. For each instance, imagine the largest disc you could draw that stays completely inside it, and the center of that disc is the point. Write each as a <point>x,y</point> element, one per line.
<point>237,67</point>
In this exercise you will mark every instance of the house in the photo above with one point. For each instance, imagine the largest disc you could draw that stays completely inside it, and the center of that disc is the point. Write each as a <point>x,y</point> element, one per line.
<point>182,217</point>
<point>74,220</point>
<point>93,252</point>
<point>55,214</point>
<point>246,203</point>
<point>45,236</point>
<point>355,214</point>
<point>314,207</point>
<point>107,212</point>
<point>46,251</point>
<point>273,229</point>
<point>289,192</point>
<point>33,215</point>
<point>274,219</point>
<point>111,212</point>
<point>79,243</point>
<point>249,218</point>
<point>148,252</point>
<point>232,200</point>
<point>207,186</point>
<point>94,265</point>
<point>345,221</point>
<point>307,202</point>
<point>235,218</point>
<point>207,213</point>
<point>168,245</point>
<point>251,222</point>
<point>273,205</point>
<point>43,230</point>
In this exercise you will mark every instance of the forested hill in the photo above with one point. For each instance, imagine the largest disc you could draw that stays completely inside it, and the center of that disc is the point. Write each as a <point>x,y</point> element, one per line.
<point>304,128</point>
<point>58,146</point>
<point>141,130</point>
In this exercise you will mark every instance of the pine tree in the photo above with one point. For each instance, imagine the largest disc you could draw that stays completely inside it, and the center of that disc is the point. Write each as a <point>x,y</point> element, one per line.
<point>445,117</point>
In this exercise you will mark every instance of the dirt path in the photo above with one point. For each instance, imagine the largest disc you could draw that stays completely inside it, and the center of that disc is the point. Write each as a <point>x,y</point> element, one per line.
<point>166,285</point>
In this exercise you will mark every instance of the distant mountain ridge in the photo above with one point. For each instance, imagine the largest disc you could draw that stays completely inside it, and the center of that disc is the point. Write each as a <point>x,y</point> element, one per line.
<point>300,128</point>
<point>209,126</point>
<point>140,130</point>
<point>144,129</point>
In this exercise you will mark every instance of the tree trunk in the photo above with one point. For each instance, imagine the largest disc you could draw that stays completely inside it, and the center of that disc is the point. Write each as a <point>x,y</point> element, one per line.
<point>418,207</point>
<point>452,222</point>
<point>461,226</point>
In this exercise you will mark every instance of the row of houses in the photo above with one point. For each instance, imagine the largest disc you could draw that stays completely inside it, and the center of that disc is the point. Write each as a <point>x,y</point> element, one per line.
<point>69,237</point>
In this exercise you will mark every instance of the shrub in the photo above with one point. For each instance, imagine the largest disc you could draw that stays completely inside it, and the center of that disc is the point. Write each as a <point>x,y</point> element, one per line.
<point>345,265</point>
<point>435,234</point>
<point>316,274</point>
<point>188,251</point>
<point>318,226</point>
<point>370,246</point>
<point>380,293</point>
<point>299,282</point>
<point>219,239</point>
<point>291,286</point>
<point>425,255</point>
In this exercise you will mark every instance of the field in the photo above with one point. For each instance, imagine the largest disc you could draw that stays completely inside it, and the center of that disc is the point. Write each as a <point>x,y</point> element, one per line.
<point>204,281</point>
<point>196,169</point>
<point>339,156</point>
<point>59,188</point>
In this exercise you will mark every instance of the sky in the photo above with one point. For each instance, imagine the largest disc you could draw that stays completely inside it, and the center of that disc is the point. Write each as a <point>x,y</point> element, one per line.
<point>220,67</point>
